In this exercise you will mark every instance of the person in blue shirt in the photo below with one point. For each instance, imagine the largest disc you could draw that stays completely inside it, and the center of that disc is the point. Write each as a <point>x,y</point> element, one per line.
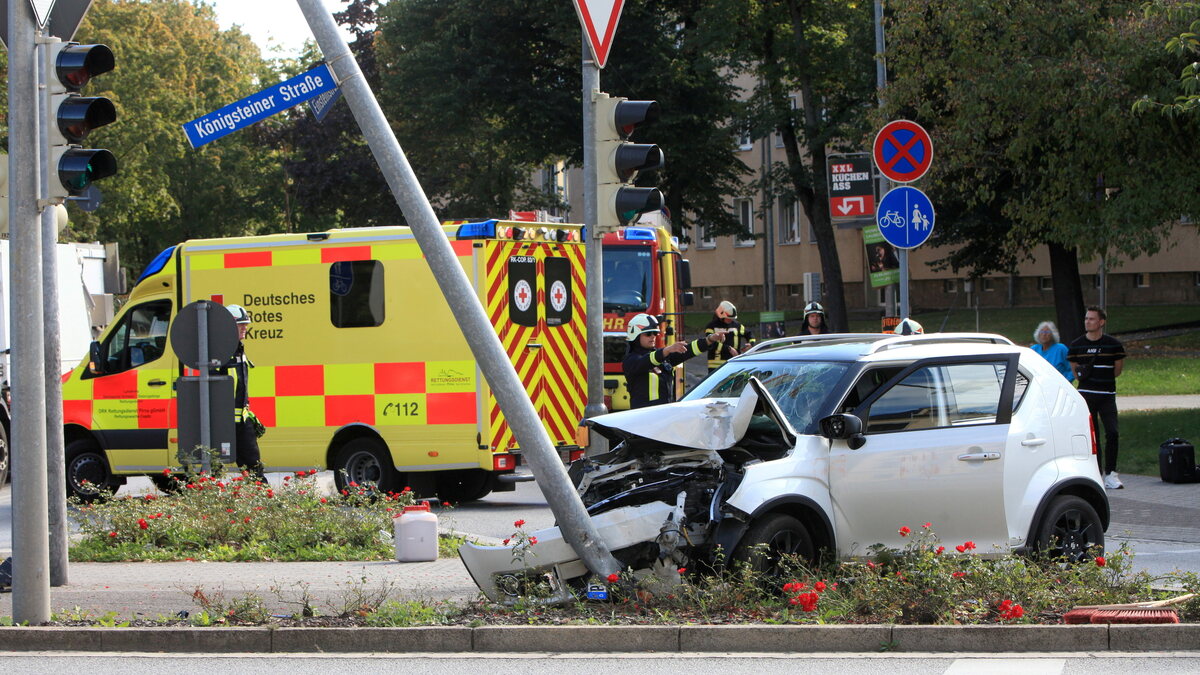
<point>1046,343</point>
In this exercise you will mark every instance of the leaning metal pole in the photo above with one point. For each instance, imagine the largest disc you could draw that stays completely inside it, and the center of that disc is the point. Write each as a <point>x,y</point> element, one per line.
<point>31,546</point>
<point>573,520</point>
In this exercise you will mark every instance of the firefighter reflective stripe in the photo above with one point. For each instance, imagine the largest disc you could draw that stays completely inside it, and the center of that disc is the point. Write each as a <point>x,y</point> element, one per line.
<point>417,393</point>
<point>549,359</point>
<point>652,385</point>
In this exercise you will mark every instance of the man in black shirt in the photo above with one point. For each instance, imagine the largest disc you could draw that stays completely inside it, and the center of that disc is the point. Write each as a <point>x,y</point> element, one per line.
<point>1097,359</point>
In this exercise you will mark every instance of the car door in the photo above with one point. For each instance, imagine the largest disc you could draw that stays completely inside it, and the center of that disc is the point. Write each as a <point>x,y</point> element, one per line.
<point>936,437</point>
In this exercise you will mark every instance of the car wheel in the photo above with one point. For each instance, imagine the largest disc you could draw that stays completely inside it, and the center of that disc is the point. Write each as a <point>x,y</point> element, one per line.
<point>88,475</point>
<point>168,485</point>
<point>5,455</point>
<point>770,541</point>
<point>1070,531</point>
<point>465,485</point>
<point>363,461</point>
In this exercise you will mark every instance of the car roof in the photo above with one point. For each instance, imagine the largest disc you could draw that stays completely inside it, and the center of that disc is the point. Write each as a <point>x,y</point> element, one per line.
<point>876,347</point>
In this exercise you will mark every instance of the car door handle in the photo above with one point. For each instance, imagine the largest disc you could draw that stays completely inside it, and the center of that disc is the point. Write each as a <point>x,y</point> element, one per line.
<point>1033,442</point>
<point>156,383</point>
<point>978,456</point>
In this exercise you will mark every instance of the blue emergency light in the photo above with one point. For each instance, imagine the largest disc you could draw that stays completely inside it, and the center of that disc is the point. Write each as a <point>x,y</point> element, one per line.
<point>639,234</point>
<point>156,265</point>
<point>481,230</point>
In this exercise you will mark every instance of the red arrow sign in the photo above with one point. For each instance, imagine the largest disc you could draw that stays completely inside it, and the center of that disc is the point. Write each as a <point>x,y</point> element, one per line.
<point>851,207</point>
<point>599,21</point>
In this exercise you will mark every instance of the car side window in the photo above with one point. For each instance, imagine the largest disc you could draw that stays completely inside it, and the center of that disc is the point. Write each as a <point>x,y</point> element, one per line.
<point>140,338</point>
<point>940,396</point>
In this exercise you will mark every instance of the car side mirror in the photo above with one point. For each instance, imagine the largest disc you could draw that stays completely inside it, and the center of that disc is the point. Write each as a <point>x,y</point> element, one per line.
<point>96,363</point>
<point>844,427</point>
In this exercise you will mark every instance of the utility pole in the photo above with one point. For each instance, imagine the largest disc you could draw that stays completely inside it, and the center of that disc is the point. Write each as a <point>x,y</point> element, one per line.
<point>880,84</point>
<point>594,252</point>
<point>31,547</point>
<point>573,520</point>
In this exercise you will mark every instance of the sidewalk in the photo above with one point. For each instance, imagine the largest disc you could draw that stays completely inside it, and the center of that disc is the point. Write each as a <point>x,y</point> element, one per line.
<point>1156,402</point>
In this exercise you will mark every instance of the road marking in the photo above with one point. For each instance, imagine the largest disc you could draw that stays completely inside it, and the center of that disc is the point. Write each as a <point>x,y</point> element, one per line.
<point>1006,666</point>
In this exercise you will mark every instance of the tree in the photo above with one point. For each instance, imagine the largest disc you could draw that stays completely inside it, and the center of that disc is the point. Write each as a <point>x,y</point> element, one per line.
<point>481,95</point>
<point>822,51</point>
<point>173,64</point>
<point>1029,106</point>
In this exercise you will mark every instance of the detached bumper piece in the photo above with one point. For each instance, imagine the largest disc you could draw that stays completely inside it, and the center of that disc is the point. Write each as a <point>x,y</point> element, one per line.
<point>548,565</point>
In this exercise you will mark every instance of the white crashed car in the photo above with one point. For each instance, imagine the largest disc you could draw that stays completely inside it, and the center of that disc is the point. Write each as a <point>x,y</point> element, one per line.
<point>829,445</point>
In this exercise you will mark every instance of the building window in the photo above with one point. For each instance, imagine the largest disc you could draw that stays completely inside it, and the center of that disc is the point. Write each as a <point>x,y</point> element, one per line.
<point>1141,280</point>
<point>1096,280</point>
<point>812,233</point>
<point>1045,284</point>
<point>748,291</point>
<point>779,136</point>
<point>789,228</point>
<point>1196,278</point>
<point>706,240</point>
<point>706,292</point>
<point>356,293</point>
<point>744,141</point>
<point>949,285</point>
<point>989,285</point>
<point>743,210</point>
<point>795,289</point>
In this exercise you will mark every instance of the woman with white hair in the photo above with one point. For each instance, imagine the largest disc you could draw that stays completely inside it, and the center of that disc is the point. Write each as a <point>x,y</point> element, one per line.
<point>1046,343</point>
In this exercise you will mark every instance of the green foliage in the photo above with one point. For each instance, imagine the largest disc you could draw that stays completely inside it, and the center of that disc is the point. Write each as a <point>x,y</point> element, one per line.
<point>1029,107</point>
<point>396,613</point>
<point>236,518</point>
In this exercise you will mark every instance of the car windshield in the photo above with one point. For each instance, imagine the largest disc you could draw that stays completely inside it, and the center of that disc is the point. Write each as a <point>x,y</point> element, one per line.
<point>627,278</point>
<point>801,388</point>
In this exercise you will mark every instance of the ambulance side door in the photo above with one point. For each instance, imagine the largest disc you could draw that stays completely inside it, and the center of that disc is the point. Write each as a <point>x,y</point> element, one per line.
<point>132,395</point>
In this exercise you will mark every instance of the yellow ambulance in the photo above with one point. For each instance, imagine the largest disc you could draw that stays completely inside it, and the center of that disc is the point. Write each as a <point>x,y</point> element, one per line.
<point>359,365</point>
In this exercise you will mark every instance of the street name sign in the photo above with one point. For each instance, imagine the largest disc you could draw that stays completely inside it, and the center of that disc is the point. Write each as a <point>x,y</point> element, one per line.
<point>851,186</point>
<point>259,106</point>
<point>905,217</point>
<point>903,151</point>
<point>599,20</point>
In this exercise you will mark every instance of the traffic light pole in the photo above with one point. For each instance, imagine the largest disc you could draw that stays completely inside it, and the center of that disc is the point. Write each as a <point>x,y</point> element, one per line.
<point>31,555</point>
<point>573,520</point>
<point>594,251</point>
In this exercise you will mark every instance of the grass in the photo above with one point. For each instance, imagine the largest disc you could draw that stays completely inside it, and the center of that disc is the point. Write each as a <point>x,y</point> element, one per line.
<point>1159,376</point>
<point>1143,431</point>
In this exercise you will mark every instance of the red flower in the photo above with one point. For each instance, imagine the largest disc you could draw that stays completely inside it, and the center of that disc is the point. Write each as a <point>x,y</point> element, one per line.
<point>228,510</point>
<point>270,493</point>
<point>959,575</point>
<point>353,484</point>
<point>532,541</point>
<point>969,545</point>
<point>150,498</point>
<point>506,542</point>
<point>939,550</point>
<point>960,548</point>
<point>1100,561</point>
<point>819,587</point>
<point>612,578</point>
<point>112,534</point>
<point>406,489</point>
<point>323,500</point>
<point>143,524</point>
<point>301,473</point>
<point>794,601</point>
<point>682,570</point>
<point>904,531</point>
<point>287,478</point>
<point>927,525</point>
<point>167,471</point>
<point>518,523</point>
<point>246,520</point>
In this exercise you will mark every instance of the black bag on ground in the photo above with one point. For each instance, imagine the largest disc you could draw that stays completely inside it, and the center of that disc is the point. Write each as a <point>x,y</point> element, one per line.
<point>1177,462</point>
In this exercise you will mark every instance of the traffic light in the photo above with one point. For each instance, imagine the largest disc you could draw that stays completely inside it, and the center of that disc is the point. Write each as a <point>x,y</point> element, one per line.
<point>71,117</point>
<point>618,162</point>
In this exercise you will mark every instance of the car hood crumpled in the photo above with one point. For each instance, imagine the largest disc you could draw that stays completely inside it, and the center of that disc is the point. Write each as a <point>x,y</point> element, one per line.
<point>706,424</point>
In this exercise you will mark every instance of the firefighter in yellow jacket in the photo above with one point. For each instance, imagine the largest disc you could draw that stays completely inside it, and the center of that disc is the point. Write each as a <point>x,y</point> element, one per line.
<point>736,338</point>
<point>247,427</point>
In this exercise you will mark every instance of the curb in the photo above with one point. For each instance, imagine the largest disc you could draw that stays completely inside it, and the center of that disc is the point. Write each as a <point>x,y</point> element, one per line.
<point>593,639</point>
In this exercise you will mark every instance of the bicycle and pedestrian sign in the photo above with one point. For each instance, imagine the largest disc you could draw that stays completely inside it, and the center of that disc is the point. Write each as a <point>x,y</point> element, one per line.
<point>905,217</point>
<point>903,151</point>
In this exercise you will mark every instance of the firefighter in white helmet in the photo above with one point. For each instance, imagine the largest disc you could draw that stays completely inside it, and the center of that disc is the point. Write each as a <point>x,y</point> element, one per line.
<point>737,338</point>
<point>814,320</point>
<point>649,370</point>
<point>908,327</point>
<point>247,427</point>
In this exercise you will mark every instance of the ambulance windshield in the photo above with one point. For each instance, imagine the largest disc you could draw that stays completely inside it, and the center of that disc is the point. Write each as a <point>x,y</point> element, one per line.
<point>628,278</point>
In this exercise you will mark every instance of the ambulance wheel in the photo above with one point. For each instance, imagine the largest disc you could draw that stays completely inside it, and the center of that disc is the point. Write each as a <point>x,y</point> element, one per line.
<point>463,485</point>
<point>88,475</point>
<point>4,455</point>
<point>168,485</point>
<point>365,460</point>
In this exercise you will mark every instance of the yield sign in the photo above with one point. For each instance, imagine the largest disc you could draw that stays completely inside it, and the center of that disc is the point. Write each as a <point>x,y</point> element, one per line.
<point>41,8</point>
<point>903,151</point>
<point>599,21</point>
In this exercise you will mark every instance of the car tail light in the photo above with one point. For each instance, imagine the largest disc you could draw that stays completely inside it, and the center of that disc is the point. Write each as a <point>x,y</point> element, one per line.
<point>1092,427</point>
<point>504,462</point>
